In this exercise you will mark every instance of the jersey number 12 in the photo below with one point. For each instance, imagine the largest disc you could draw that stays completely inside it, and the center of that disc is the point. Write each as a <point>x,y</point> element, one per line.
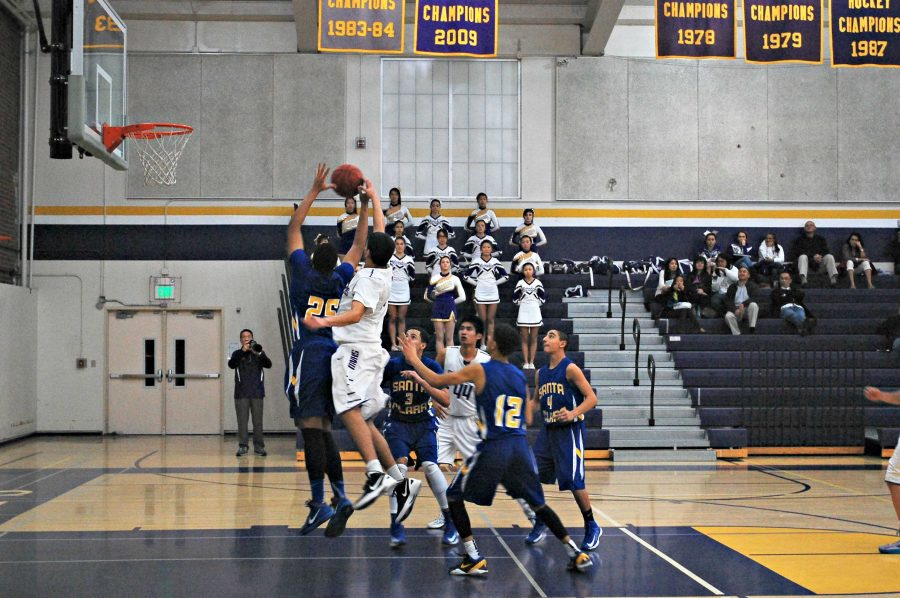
<point>508,412</point>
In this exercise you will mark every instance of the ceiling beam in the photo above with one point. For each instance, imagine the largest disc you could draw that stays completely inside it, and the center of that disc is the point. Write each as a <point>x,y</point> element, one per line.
<point>600,27</point>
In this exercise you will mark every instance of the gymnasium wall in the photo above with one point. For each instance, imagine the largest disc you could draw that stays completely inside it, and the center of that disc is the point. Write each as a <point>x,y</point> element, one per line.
<point>18,351</point>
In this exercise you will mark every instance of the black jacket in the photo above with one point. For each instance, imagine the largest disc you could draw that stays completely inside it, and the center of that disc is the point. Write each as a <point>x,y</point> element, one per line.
<point>810,246</point>
<point>752,289</point>
<point>248,373</point>
<point>781,296</point>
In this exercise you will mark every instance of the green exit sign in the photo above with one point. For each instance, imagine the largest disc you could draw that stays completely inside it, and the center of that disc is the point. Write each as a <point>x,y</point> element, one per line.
<point>165,291</point>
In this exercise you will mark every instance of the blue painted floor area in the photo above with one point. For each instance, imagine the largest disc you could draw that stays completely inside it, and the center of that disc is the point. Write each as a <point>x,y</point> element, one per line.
<point>278,562</point>
<point>42,485</point>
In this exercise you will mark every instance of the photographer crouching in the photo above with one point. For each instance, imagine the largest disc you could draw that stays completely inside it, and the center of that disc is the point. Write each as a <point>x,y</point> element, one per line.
<point>249,390</point>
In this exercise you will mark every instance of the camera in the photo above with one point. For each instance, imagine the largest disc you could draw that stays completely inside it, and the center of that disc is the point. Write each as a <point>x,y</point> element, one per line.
<point>255,346</point>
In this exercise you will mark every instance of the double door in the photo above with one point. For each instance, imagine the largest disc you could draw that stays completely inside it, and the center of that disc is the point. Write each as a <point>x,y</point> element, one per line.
<point>164,371</point>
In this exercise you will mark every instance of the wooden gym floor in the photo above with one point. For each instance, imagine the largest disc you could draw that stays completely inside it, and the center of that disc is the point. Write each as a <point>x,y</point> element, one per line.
<point>181,516</point>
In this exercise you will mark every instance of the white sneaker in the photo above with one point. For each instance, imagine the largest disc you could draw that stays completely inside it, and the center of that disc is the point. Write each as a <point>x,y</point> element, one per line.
<point>436,523</point>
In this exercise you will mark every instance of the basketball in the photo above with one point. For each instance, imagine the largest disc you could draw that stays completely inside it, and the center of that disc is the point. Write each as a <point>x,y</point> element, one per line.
<point>347,178</point>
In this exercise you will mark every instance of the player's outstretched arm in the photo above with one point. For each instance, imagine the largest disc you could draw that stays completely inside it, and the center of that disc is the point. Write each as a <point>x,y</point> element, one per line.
<point>294,235</point>
<point>441,396</point>
<point>532,404</point>
<point>358,249</point>
<point>377,215</point>
<point>876,395</point>
<point>351,316</point>
<point>471,373</point>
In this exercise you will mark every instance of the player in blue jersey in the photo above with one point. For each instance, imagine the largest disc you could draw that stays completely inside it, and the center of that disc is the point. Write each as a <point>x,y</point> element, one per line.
<point>316,289</point>
<point>563,395</point>
<point>503,456</point>
<point>412,426</point>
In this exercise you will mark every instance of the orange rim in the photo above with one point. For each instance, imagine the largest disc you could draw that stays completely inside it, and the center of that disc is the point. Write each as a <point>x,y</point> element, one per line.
<point>113,136</point>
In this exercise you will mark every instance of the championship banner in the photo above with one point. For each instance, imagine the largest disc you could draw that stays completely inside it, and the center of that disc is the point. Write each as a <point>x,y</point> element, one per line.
<point>865,33</point>
<point>695,29</point>
<point>457,28</point>
<point>783,30</point>
<point>361,26</point>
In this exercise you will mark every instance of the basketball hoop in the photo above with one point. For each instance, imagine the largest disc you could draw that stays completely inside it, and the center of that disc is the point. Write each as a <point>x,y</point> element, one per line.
<point>158,145</point>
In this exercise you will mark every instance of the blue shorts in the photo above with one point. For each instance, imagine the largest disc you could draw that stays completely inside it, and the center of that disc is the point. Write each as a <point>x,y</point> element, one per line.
<point>404,437</point>
<point>308,379</point>
<point>507,461</point>
<point>559,451</point>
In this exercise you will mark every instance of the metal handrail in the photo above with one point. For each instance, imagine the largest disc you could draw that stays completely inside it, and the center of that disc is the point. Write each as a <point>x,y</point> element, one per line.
<point>651,371</point>
<point>623,301</point>
<point>609,285</point>
<point>636,335</point>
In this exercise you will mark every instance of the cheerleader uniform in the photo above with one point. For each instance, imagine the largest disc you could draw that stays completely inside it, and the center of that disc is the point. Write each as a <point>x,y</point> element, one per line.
<point>403,270</point>
<point>433,259</point>
<point>409,247</point>
<point>400,215</point>
<point>429,228</point>
<point>346,227</point>
<point>522,258</point>
<point>472,248</point>
<point>444,292</point>
<point>487,216</point>
<point>486,275</point>
<point>529,298</point>
<point>529,230</point>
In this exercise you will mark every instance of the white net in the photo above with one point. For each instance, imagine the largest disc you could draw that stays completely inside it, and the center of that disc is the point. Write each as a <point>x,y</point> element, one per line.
<point>159,152</point>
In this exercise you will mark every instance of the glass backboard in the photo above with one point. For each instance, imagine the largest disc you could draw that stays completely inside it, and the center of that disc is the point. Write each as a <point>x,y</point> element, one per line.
<point>97,83</point>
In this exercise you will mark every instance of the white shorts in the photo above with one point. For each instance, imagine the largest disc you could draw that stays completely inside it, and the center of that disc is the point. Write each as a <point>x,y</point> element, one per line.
<point>356,372</point>
<point>457,434</point>
<point>892,476</point>
<point>399,293</point>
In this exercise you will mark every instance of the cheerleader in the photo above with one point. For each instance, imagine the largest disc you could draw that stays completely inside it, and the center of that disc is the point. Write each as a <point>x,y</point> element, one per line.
<point>472,248</point>
<point>403,270</point>
<point>529,296</point>
<point>444,291</point>
<point>485,273</point>
<point>482,214</point>
<point>527,256</point>
<point>528,229</point>
<point>346,225</point>
<point>433,257</point>
<point>400,233</point>
<point>431,224</point>
<point>396,211</point>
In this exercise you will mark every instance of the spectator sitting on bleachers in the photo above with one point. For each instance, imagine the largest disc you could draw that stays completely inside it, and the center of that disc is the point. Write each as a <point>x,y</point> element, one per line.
<point>699,286</point>
<point>711,248</point>
<point>810,251</point>
<point>430,226</point>
<point>482,214</point>
<point>664,285</point>
<point>528,229</point>
<point>396,211</point>
<point>787,304</point>
<point>400,233</point>
<point>890,329</point>
<point>894,251</point>
<point>741,251</point>
<point>738,300</point>
<point>527,256</point>
<point>771,258</point>
<point>442,249</point>
<point>856,260</point>
<point>678,307</point>
<point>723,277</point>
<point>472,248</point>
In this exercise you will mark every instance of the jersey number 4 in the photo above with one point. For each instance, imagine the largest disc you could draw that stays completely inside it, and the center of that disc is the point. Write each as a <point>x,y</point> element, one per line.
<point>508,412</point>
<point>320,307</point>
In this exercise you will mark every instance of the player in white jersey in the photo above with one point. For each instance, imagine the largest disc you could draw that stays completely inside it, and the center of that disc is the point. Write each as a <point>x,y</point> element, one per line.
<point>528,229</point>
<point>431,224</point>
<point>458,428</point>
<point>482,214</point>
<point>403,270</point>
<point>359,361</point>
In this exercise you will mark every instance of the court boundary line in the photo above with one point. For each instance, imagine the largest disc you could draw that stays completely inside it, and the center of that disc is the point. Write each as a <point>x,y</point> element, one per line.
<point>515,559</point>
<point>693,576</point>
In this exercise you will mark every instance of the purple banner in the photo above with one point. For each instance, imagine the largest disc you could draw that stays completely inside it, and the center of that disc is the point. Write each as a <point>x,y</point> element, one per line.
<point>783,30</point>
<point>456,28</point>
<point>363,26</point>
<point>701,29</point>
<point>865,33</point>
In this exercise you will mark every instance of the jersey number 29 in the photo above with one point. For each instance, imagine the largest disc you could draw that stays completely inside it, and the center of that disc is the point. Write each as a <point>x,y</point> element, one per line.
<point>320,307</point>
<point>508,412</point>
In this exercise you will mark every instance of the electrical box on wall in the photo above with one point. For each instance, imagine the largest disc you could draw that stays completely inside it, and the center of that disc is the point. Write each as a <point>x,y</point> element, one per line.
<point>165,289</point>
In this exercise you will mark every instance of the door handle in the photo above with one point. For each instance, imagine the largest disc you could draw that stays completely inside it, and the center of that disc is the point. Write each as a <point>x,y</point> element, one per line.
<point>170,375</point>
<point>159,375</point>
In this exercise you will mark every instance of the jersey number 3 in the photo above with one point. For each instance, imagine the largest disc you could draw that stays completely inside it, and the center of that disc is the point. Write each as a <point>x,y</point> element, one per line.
<point>508,412</point>
<point>320,308</point>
